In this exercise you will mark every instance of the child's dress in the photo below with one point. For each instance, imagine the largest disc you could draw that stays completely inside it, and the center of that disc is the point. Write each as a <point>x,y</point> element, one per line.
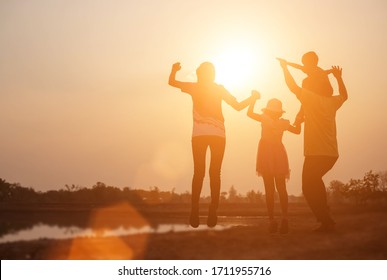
<point>272,159</point>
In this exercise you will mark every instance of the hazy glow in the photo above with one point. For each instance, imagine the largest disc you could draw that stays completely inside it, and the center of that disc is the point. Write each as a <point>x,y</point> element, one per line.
<point>84,94</point>
<point>234,66</point>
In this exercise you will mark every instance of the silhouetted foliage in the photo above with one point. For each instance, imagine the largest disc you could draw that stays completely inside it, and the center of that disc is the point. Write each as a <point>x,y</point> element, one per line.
<point>254,197</point>
<point>100,193</point>
<point>233,195</point>
<point>15,192</point>
<point>5,190</point>
<point>338,191</point>
<point>383,180</point>
<point>370,189</point>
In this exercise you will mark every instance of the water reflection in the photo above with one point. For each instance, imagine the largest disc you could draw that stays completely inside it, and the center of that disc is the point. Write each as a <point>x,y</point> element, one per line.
<point>44,231</point>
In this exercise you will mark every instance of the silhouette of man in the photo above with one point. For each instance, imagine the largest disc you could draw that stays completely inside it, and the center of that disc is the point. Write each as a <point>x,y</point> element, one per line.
<point>208,131</point>
<point>320,142</point>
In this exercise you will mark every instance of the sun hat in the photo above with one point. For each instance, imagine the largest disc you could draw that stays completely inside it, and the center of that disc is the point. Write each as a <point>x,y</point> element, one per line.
<point>274,105</point>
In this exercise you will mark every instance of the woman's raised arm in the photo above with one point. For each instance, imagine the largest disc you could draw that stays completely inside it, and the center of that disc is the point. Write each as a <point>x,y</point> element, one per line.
<point>172,76</point>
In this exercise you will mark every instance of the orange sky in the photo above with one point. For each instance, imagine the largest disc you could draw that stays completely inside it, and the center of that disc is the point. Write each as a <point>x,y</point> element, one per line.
<point>84,94</point>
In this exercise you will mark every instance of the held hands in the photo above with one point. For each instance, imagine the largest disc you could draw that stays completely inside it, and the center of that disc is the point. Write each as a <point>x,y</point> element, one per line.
<point>337,71</point>
<point>255,94</point>
<point>298,121</point>
<point>282,62</point>
<point>176,67</point>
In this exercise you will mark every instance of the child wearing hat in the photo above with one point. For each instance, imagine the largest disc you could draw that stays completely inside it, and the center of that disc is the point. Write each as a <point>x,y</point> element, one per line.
<point>272,160</point>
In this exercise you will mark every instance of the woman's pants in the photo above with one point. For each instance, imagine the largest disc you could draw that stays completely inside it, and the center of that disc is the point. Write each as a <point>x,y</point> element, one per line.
<point>199,149</point>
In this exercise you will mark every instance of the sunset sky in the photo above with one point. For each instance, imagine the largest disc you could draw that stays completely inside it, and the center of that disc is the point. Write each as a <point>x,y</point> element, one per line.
<point>84,94</point>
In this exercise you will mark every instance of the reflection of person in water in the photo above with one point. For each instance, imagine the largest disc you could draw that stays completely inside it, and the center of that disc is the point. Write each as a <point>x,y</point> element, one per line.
<point>320,142</point>
<point>272,159</point>
<point>208,131</point>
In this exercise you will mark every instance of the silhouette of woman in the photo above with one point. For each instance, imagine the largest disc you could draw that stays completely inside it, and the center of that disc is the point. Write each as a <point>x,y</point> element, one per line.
<point>208,131</point>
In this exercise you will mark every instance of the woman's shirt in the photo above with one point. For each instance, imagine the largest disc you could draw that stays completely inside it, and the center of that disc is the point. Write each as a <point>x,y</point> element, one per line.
<point>207,99</point>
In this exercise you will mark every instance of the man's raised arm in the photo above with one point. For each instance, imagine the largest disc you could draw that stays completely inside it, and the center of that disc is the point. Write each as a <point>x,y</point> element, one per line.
<point>290,82</point>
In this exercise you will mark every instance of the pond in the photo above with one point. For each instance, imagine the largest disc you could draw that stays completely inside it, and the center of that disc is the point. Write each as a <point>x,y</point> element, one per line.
<point>49,231</point>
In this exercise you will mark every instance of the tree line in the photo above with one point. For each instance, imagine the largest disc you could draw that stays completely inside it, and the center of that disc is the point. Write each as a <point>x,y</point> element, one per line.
<point>372,188</point>
<point>102,193</point>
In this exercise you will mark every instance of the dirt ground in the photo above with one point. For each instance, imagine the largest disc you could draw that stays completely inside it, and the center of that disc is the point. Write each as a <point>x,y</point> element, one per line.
<point>360,235</point>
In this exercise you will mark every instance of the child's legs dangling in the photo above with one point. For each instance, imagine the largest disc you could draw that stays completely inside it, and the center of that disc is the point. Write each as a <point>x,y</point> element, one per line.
<point>280,183</point>
<point>269,192</point>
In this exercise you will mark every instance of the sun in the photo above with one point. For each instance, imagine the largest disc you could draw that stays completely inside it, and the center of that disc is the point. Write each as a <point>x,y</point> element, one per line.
<point>235,67</point>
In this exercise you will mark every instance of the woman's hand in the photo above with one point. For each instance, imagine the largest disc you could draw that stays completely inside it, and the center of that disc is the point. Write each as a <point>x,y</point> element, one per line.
<point>176,67</point>
<point>255,94</point>
<point>283,62</point>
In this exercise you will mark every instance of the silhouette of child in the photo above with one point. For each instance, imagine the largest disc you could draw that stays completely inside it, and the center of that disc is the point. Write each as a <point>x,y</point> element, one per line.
<point>272,160</point>
<point>317,79</point>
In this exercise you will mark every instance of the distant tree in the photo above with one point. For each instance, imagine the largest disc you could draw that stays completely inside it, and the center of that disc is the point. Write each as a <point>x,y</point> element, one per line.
<point>205,199</point>
<point>355,190</point>
<point>174,196</point>
<point>223,196</point>
<point>17,193</point>
<point>186,197</point>
<point>5,190</point>
<point>131,196</point>
<point>167,196</point>
<point>338,191</point>
<point>371,183</point>
<point>233,195</point>
<point>72,188</point>
<point>154,195</point>
<point>254,197</point>
<point>383,180</point>
<point>365,190</point>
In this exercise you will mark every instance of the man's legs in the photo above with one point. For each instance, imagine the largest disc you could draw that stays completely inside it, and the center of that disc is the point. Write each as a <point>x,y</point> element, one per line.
<point>313,187</point>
